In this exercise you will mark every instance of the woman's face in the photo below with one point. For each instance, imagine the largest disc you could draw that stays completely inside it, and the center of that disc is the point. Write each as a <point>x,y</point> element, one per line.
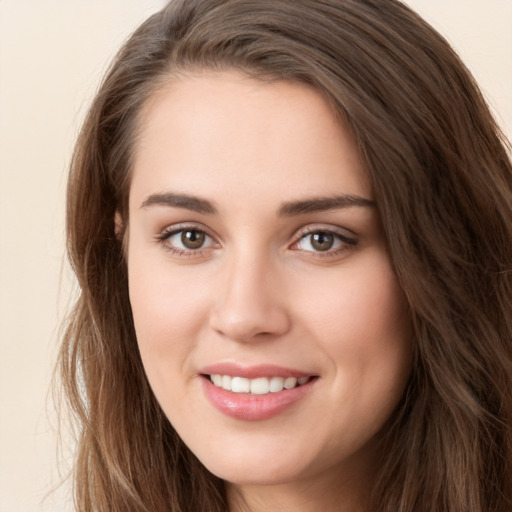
<point>257,261</point>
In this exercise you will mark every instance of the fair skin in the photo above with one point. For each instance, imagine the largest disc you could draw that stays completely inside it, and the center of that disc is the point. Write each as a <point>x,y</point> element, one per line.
<point>255,251</point>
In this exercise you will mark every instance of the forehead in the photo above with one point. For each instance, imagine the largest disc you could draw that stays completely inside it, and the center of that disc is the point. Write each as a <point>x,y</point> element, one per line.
<point>220,134</point>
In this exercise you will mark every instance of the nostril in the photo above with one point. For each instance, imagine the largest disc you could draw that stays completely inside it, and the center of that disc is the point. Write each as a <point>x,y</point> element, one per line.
<point>246,324</point>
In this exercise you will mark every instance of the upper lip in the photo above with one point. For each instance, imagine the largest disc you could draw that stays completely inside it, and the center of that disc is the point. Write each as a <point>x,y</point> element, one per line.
<point>252,371</point>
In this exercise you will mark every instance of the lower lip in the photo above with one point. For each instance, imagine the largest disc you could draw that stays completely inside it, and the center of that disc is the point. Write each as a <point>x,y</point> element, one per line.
<point>249,407</point>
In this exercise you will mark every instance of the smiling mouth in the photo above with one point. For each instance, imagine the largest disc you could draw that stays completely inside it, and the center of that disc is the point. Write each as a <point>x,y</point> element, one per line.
<point>258,386</point>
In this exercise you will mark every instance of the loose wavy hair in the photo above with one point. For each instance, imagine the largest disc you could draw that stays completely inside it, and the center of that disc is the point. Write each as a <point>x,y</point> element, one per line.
<point>442,181</point>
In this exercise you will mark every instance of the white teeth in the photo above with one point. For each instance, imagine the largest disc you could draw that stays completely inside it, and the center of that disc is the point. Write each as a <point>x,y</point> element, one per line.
<point>259,386</point>
<point>217,380</point>
<point>290,383</point>
<point>276,384</point>
<point>240,385</point>
<point>226,382</point>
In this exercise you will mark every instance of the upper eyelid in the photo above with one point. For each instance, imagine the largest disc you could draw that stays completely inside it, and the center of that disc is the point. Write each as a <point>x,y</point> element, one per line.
<point>314,228</point>
<point>165,234</point>
<point>183,226</point>
<point>348,240</point>
<point>163,239</point>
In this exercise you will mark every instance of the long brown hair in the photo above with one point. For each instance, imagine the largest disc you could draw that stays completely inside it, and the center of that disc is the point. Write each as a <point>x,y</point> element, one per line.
<point>443,185</point>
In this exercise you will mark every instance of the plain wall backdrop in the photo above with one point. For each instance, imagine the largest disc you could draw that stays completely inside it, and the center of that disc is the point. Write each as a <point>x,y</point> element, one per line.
<point>52,56</point>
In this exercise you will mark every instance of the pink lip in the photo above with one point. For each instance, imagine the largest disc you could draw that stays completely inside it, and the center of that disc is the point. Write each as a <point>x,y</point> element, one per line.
<point>253,407</point>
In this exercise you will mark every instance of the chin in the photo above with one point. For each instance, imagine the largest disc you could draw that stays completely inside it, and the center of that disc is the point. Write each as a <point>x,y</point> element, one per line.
<point>254,473</point>
<point>255,463</point>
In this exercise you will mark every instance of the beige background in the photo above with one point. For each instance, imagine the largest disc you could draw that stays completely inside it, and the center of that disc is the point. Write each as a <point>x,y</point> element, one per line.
<point>52,54</point>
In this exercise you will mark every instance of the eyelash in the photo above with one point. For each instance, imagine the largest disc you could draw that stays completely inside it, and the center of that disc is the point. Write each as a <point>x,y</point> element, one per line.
<point>165,236</point>
<point>345,243</point>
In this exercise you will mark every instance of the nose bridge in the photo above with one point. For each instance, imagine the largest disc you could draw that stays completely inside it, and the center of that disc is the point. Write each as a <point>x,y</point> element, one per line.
<point>249,302</point>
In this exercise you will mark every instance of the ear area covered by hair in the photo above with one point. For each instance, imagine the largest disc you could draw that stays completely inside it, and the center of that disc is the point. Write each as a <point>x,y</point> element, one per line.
<point>119,225</point>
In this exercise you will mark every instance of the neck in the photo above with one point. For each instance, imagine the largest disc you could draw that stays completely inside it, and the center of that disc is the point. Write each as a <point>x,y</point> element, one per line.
<point>331,493</point>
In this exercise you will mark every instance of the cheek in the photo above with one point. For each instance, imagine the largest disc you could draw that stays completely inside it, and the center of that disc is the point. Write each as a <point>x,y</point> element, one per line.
<point>367,303</point>
<point>363,325</point>
<point>169,311</point>
<point>162,294</point>
<point>161,309</point>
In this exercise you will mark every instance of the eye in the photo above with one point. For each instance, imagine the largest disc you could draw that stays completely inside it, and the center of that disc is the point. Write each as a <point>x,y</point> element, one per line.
<point>190,239</point>
<point>186,240</point>
<point>323,241</point>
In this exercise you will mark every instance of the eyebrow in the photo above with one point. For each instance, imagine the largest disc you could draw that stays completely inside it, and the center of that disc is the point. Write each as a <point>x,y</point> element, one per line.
<point>192,203</point>
<point>322,204</point>
<point>288,209</point>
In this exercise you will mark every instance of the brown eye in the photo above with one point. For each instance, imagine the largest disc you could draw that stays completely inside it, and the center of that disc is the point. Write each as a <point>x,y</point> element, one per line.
<point>187,241</point>
<point>192,239</point>
<point>322,240</point>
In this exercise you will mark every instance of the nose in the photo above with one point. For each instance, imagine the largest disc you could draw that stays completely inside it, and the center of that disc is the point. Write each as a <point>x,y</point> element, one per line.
<point>250,304</point>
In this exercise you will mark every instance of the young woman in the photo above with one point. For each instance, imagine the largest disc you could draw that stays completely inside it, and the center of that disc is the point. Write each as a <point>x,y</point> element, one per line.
<point>291,222</point>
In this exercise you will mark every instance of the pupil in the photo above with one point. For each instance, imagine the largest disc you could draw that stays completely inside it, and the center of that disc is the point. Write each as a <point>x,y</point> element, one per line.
<point>192,239</point>
<point>322,241</point>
